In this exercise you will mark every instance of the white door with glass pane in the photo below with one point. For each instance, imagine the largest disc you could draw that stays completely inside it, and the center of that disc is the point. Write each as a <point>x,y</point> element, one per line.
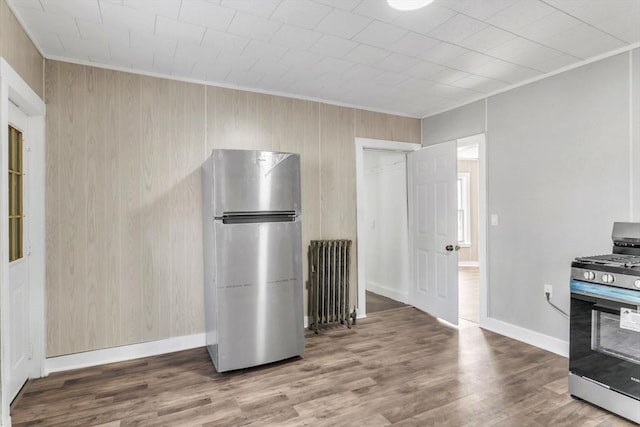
<point>19,351</point>
<point>433,230</point>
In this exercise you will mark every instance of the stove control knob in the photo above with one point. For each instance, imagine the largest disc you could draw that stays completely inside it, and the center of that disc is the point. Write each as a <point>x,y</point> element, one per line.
<point>637,283</point>
<point>589,275</point>
<point>608,278</point>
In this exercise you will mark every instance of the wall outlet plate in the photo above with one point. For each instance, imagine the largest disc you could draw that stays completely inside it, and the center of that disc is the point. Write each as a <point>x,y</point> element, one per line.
<point>548,289</point>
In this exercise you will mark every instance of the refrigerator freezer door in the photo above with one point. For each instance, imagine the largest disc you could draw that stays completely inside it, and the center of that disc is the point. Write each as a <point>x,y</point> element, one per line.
<point>249,181</point>
<point>259,288</point>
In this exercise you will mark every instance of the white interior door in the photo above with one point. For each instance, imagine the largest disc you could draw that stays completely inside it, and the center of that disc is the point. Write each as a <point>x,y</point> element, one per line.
<point>433,230</point>
<point>19,321</point>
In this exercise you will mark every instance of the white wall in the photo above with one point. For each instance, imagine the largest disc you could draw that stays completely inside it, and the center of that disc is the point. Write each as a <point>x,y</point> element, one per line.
<point>558,178</point>
<point>559,156</point>
<point>386,269</point>
<point>462,122</point>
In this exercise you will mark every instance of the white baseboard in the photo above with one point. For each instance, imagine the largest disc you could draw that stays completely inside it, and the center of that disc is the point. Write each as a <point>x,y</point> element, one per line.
<point>394,294</point>
<point>468,264</point>
<point>528,336</point>
<point>125,352</point>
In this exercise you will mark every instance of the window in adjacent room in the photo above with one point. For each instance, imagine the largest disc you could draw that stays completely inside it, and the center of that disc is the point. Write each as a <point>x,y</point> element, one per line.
<point>16,214</point>
<point>464,222</point>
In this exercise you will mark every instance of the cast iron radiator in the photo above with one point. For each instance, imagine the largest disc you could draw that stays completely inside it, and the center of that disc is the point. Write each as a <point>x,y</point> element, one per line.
<point>329,262</point>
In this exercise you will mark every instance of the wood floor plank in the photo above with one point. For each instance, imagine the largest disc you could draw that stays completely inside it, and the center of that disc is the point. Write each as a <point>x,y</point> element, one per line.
<point>399,367</point>
<point>469,293</point>
<point>376,303</point>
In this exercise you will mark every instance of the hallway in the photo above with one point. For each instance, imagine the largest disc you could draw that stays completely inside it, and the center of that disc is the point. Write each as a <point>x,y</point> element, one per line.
<point>469,293</point>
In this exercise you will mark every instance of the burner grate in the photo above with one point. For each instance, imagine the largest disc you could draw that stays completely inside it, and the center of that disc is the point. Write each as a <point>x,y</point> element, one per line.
<point>613,259</point>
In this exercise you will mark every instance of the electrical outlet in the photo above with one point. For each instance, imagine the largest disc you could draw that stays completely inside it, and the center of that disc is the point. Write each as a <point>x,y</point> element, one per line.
<point>548,289</point>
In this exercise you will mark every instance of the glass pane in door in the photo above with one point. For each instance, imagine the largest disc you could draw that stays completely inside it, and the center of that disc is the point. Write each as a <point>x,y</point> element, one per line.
<point>15,194</point>
<point>608,337</point>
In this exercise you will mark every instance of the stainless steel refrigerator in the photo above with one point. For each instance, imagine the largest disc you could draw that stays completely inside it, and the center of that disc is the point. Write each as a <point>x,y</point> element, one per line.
<point>252,257</point>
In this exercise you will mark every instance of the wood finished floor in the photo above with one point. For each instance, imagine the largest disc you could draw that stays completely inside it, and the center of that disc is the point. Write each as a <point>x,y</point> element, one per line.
<point>377,303</point>
<point>398,367</point>
<point>469,293</point>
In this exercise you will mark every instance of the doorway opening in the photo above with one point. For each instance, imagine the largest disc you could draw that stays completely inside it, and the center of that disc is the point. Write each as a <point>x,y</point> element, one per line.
<point>22,267</point>
<point>387,249</point>
<point>424,210</point>
<point>383,235</point>
<point>468,192</point>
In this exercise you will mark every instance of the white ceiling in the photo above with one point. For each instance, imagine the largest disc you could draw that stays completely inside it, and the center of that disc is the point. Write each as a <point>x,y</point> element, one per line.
<point>354,52</point>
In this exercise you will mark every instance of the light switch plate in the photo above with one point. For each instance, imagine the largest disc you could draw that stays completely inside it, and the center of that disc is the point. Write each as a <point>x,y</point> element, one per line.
<point>494,219</point>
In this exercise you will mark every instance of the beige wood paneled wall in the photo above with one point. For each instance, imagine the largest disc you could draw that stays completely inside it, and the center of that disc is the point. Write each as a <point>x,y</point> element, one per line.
<point>19,51</point>
<point>124,246</point>
<point>374,125</point>
<point>338,182</point>
<point>124,261</point>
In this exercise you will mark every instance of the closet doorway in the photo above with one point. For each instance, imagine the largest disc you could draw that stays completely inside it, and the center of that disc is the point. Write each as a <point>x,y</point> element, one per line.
<point>383,236</point>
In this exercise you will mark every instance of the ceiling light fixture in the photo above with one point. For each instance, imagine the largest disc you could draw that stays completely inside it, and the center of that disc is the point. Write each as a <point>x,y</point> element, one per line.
<point>408,4</point>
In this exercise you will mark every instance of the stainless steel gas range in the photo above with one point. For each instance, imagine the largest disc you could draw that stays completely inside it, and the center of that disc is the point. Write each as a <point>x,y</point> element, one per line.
<point>604,354</point>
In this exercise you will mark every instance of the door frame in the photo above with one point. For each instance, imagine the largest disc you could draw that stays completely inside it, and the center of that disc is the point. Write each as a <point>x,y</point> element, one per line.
<point>14,89</point>
<point>364,143</point>
<point>361,145</point>
<point>483,232</point>
<point>482,225</point>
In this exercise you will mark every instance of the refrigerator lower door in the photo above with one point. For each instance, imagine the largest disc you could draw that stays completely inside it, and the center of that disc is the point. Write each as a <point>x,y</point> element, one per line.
<point>259,293</point>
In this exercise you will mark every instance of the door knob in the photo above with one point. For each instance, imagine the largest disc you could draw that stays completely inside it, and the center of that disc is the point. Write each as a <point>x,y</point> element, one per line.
<point>449,248</point>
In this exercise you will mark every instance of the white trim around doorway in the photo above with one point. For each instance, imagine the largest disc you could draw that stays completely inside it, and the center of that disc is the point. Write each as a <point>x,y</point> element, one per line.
<point>361,145</point>
<point>483,234</point>
<point>15,90</point>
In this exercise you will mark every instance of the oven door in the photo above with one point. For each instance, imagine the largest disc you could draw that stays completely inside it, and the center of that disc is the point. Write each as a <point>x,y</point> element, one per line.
<point>605,336</point>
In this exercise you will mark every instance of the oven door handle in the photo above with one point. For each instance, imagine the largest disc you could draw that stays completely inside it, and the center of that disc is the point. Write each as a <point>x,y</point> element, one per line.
<point>607,309</point>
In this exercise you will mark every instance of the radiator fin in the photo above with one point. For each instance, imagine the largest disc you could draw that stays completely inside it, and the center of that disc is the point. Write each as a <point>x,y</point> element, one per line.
<point>329,262</point>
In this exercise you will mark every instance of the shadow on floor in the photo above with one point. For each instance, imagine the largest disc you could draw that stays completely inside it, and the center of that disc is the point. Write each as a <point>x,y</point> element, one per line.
<point>376,303</point>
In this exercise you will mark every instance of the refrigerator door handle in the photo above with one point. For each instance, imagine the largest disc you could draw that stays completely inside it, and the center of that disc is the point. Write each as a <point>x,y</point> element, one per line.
<point>230,214</point>
<point>255,218</point>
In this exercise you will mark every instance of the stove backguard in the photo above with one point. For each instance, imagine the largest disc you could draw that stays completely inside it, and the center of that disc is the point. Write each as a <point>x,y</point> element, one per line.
<point>626,238</point>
